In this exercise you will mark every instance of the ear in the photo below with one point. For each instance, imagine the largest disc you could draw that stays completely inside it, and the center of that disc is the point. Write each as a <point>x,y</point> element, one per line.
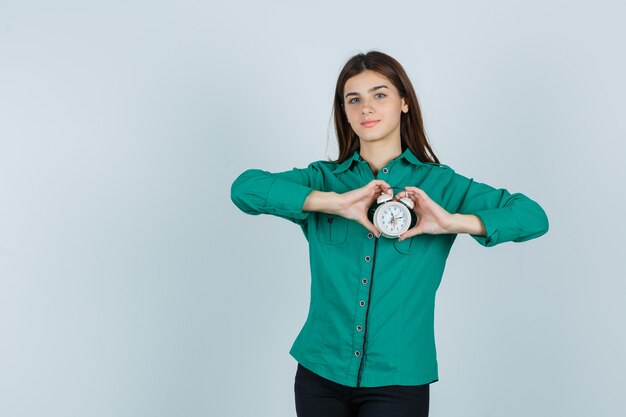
<point>405,106</point>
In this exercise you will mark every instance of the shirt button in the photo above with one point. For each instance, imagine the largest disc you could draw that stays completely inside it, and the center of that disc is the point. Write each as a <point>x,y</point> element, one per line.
<point>357,353</point>
<point>359,327</point>
<point>370,235</point>
<point>367,259</point>
<point>364,280</point>
<point>385,170</point>
<point>361,303</point>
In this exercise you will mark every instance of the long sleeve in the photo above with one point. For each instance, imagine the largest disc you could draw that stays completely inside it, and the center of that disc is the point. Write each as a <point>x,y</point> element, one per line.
<point>280,194</point>
<point>507,217</point>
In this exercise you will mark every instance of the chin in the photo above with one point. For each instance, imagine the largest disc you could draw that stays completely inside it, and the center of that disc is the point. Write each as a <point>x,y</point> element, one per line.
<point>371,137</point>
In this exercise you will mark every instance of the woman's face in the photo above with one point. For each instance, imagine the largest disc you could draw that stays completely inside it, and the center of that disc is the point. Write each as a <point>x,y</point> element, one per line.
<point>373,107</point>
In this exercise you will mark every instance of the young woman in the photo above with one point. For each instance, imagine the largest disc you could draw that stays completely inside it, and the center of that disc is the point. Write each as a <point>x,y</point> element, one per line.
<point>367,347</point>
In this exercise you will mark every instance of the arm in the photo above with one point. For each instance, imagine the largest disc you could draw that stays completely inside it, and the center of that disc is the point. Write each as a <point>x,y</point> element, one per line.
<point>280,194</point>
<point>326,202</point>
<point>434,219</point>
<point>504,216</point>
<point>466,223</point>
<point>291,195</point>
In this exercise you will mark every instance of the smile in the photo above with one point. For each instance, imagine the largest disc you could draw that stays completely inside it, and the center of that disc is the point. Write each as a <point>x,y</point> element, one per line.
<point>370,123</point>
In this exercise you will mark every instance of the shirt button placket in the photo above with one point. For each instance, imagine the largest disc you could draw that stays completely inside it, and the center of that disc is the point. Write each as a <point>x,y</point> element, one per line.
<point>363,297</point>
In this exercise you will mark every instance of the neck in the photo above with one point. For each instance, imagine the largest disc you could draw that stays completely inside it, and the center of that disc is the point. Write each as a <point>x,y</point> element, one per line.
<point>378,154</point>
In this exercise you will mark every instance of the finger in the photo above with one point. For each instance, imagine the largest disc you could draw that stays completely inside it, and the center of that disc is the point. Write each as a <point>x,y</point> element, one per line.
<point>410,233</point>
<point>379,190</point>
<point>370,226</point>
<point>413,188</point>
<point>416,191</point>
<point>386,188</point>
<point>365,221</point>
<point>379,184</point>
<point>414,194</point>
<point>403,194</point>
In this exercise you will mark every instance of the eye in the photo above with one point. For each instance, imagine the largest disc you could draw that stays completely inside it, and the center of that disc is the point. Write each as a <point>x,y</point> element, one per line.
<point>352,100</point>
<point>381,94</point>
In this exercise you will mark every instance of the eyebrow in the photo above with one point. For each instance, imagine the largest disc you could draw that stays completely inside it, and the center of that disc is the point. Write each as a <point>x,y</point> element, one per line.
<point>369,91</point>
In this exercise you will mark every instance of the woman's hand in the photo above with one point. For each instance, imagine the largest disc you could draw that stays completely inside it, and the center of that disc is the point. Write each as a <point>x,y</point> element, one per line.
<point>431,217</point>
<point>355,204</point>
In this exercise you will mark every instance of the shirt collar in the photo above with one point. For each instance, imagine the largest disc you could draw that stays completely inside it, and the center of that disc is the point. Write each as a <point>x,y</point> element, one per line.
<point>407,155</point>
<point>347,163</point>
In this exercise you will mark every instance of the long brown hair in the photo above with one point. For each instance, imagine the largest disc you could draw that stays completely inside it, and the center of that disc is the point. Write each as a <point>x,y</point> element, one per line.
<point>412,134</point>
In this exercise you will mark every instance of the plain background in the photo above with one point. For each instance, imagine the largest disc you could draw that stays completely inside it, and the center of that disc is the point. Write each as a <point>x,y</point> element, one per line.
<point>130,285</point>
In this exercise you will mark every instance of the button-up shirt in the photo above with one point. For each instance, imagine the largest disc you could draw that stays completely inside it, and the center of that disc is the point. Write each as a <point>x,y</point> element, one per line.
<point>371,312</point>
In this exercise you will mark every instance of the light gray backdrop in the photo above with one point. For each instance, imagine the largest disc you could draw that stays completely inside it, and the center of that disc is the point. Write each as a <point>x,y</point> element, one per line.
<point>130,285</point>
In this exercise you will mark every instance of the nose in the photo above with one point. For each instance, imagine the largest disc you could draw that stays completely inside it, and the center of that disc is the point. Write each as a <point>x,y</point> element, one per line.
<point>367,109</point>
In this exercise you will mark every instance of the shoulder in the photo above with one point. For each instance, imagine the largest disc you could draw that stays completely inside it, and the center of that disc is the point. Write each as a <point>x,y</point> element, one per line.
<point>323,166</point>
<point>316,166</point>
<point>436,165</point>
<point>440,170</point>
<point>445,175</point>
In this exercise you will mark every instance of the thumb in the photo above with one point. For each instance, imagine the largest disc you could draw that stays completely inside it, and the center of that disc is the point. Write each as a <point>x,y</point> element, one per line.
<point>417,230</point>
<point>370,226</point>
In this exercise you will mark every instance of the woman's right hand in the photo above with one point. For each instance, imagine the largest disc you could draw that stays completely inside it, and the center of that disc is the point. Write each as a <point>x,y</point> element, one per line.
<point>354,204</point>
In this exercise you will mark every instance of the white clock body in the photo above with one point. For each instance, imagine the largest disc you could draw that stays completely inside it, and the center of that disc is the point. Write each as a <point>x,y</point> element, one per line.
<point>393,218</point>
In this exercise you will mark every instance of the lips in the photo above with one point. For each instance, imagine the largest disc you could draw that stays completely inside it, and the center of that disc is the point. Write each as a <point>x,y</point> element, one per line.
<point>370,123</point>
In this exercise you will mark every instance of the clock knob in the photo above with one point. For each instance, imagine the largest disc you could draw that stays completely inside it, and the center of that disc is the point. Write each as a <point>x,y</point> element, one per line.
<point>384,197</point>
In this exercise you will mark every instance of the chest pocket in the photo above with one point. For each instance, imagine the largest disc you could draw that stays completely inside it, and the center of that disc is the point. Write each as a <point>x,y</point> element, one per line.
<point>332,229</point>
<point>415,244</point>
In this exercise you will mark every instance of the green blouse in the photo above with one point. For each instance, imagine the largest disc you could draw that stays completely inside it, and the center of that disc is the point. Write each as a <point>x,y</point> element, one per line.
<point>371,313</point>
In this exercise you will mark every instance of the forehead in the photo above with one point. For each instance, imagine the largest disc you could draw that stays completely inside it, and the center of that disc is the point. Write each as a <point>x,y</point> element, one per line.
<point>365,80</point>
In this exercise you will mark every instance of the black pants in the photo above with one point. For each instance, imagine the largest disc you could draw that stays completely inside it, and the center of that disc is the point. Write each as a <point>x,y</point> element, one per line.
<point>319,397</point>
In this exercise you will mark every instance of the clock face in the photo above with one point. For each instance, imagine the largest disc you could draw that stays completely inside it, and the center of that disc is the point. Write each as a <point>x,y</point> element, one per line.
<point>392,219</point>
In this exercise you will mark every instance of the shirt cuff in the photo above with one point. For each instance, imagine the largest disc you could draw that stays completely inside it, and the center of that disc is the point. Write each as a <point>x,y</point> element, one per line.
<point>500,226</point>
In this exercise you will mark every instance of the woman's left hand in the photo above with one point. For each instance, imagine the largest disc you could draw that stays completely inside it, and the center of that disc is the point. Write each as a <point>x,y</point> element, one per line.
<point>431,217</point>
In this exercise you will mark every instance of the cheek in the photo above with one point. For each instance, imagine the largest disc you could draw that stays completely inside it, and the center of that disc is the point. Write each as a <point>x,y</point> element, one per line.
<point>393,112</point>
<point>352,114</point>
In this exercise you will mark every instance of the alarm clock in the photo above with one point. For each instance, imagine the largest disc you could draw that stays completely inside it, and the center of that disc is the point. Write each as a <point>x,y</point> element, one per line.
<point>391,217</point>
